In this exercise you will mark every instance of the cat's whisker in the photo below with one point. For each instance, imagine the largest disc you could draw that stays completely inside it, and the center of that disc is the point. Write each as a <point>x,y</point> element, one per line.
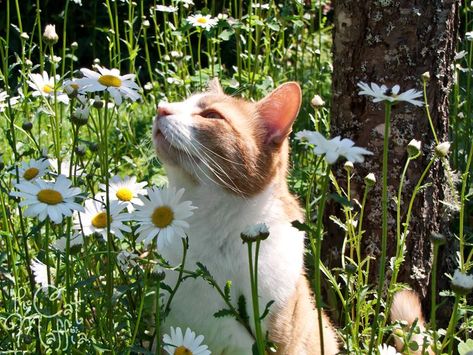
<point>234,188</point>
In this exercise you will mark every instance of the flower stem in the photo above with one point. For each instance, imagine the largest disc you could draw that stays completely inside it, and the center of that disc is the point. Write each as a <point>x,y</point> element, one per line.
<point>384,234</point>
<point>254,296</point>
<point>316,251</point>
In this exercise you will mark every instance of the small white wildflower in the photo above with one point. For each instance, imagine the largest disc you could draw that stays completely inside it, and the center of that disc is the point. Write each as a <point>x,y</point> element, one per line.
<point>75,242</point>
<point>40,272</point>
<point>462,283</point>
<point>206,22</point>
<point>383,93</point>
<point>469,36</point>
<point>162,8</point>
<point>334,148</point>
<point>188,343</point>
<point>387,350</point>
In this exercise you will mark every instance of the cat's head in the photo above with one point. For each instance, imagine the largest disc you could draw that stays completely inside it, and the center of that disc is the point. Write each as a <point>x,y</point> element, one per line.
<point>238,145</point>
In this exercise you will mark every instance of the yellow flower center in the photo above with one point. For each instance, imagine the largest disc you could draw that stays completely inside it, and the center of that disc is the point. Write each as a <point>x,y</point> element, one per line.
<point>110,80</point>
<point>124,194</point>
<point>202,20</point>
<point>30,173</point>
<point>48,89</point>
<point>182,350</point>
<point>162,216</point>
<point>100,220</point>
<point>74,86</point>
<point>49,196</point>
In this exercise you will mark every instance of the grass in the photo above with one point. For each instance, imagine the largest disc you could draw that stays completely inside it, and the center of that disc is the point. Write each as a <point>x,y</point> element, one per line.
<point>102,299</point>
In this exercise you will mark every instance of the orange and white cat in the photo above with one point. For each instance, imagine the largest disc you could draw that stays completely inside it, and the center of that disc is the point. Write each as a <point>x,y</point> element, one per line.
<point>231,156</point>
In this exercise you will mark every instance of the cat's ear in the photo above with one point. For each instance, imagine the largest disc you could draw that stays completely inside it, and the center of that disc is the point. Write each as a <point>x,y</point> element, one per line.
<point>215,87</point>
<point>279,110</point>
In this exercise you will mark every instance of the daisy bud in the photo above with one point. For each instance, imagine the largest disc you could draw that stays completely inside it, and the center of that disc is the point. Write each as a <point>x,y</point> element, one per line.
<point>350,269</point>
<point>24,36</point>
<point>80,116</point>
<point>370,180</point>
<point>80,150</point>
<point>462,283</point>
<point>93,147</point>
<point>158,274</point>
<point>426,76</point>
<point>442,149</point>
<point>399,332</point>
<point>28,63</point>
<point>50,36</point>
<point>96,61</point>
<point>146,24</point>
<point>413,148</point>
<point>74,46</point>
<point>256,232</point>
<point>348,166</point>
<point>98,103</point>
<point>27,126</point>
<point>438,238</point>
<point>317,101</point>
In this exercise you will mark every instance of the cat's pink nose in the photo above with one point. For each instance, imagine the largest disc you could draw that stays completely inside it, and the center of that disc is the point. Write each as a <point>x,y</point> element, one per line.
<point>163,110</point>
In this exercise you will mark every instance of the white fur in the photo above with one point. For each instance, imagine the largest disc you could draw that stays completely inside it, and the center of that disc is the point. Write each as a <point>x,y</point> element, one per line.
<point>214,240</point>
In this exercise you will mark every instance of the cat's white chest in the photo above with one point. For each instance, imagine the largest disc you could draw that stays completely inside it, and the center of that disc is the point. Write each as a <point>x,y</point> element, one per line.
<point>214,241</point>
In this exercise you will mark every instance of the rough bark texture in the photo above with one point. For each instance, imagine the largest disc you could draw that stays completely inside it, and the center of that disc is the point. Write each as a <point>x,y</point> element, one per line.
<point>394,42</point>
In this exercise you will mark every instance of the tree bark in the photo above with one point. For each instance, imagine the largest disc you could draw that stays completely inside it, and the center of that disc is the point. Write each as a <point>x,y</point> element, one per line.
<point>394,42</point>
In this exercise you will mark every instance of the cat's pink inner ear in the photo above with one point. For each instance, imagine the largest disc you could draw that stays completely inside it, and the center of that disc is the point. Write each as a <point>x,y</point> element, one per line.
<point>215,87</point>
<point>279,110</point>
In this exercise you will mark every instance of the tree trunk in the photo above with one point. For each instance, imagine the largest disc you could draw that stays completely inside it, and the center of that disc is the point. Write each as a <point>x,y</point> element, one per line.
<point>394,42</point>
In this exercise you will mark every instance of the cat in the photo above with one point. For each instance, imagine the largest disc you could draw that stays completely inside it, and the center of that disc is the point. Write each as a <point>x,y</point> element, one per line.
<point>231,156</point>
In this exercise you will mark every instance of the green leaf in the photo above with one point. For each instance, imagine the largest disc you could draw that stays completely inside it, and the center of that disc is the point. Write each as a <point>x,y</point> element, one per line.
<point>266,309</point>
<point>242,309</point>
<point>302,226</point>
<point>86,282</point>
<point>224,313</point>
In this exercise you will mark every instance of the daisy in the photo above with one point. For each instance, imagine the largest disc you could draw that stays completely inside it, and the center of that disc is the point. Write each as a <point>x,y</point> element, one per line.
<point>334,148</point>
<point>126,191</point>
<point>45,86</point>
<point>110,80</point>
<point>94,219</point>
<point>462,283</point>
<point>33,169</point>
<point>206,22</point>
<point>75,242</point>
<point>40,272</point>
<point>53,199</point>
<point>5,99</point>
<point>162,215</point>
<point>387,350</point>
<point>65,167</point>
<point>186,3</point>
<point>162,8</point>
<point>187,344</point>
<point>383,93</point>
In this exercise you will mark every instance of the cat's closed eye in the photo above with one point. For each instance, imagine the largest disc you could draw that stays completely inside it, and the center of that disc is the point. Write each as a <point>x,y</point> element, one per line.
<point>212,114</point>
